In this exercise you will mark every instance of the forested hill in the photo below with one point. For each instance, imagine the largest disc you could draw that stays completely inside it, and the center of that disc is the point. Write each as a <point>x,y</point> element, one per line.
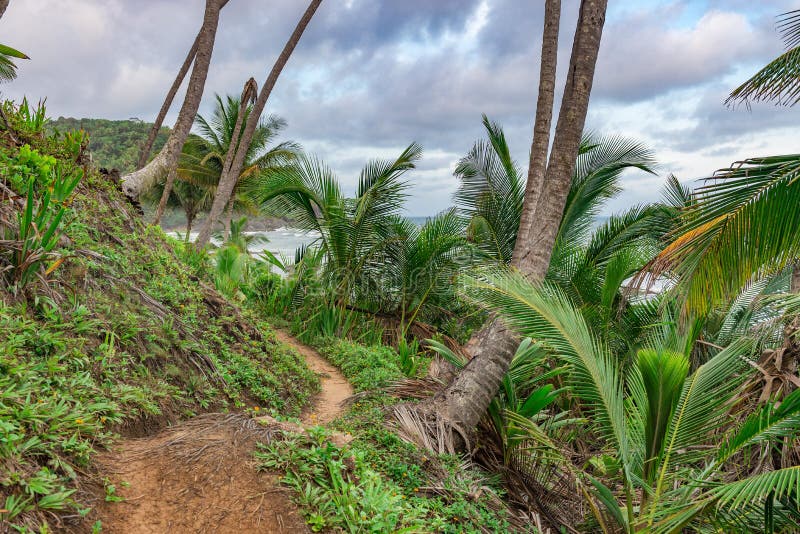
<point>113,144</point>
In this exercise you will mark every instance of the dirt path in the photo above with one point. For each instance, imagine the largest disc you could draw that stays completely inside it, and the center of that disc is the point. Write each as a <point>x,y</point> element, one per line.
<point>335,387</point>
<point>200,476</point>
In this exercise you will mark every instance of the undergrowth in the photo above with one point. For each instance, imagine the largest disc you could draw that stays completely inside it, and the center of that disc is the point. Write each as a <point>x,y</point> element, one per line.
<point>124,333</point>
<point>378,482</point>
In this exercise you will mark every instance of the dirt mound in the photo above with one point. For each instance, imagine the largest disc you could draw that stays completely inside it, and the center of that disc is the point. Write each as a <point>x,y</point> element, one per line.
<point>197,477</point>
<point>200,476</point>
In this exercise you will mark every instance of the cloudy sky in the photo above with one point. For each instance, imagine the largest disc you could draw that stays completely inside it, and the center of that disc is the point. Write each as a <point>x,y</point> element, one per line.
<point>370,76</point>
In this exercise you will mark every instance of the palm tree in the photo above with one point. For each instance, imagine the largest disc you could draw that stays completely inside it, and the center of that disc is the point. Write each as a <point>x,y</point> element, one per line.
<point>354,233</point>
<point>491,194</point>
<point>670,429</point>
<point>203,156</point>
<point>421,266</point>
<point>466,399</point>
<point>166,161</point>
<point>188,196</point>
<point>235,158</point>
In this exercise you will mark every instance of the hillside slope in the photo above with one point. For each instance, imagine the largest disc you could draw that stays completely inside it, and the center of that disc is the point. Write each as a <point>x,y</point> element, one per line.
<point>114,329</point>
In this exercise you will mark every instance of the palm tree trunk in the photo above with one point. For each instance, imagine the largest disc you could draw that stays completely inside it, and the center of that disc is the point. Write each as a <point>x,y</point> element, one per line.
<point>135,183</point>
<point>162,203</point>
<point>3,7</point>
<point>151,137</point>
<point>248,94</point>
<point>231,174</point>
<point>541,129</point>
<point>794,285</point>
<point>228,218</point>
<point>189,221</point>
<point>466,399</point>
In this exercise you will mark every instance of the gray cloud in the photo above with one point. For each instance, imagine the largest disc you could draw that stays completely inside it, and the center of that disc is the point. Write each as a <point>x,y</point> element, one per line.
<point>371,76</point>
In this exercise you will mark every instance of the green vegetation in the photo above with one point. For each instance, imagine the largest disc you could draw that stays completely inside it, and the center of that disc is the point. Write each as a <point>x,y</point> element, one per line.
<point>105,326</point>
<point>639,375</point>
<point>378,482</point>
<point>622,397</point>
<point>113,144</point>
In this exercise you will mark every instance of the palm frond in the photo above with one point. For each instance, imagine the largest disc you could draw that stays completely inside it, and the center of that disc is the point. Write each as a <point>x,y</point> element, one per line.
<point>546,315</point>
<point>599,165</point>
<point>8,69</point>
<point>746,222</point>
<point>779,81</point>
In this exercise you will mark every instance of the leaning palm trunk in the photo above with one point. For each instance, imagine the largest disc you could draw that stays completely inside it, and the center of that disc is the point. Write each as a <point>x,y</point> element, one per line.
<point>228,217</point>
<point>162,203</point>
<point>162,113</point>
<point>466,399</point>
<point>135,183</point>
<point>233,169</point>
<point>249,93</point>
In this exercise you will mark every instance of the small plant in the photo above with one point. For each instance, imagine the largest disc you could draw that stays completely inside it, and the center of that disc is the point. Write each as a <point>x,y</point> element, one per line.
<point>29,247</point>
<point>409,357</point>
<point>111,491</point>
<point>343,493</point>
<point>32,120</point>
<point>76,142</point>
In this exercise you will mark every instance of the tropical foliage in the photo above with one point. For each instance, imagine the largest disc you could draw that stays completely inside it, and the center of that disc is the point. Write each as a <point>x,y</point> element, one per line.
<point>492,188</point>
<point>8,69</point>
<point>779,81</point>
<point>204,154</point>
<point>113,144</point>
<point>657,420</point>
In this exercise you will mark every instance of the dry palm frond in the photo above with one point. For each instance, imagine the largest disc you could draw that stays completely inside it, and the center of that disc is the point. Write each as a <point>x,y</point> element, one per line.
<point>428,431</point>
<point>415,388</point>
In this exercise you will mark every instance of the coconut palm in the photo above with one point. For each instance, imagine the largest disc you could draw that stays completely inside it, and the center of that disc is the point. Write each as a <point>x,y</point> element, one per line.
<point>165,162</point>
<point>234,162</point>
<point>492,188</point>
<point>204,154</point>
<point>353,233</point>
<point>671,430</point>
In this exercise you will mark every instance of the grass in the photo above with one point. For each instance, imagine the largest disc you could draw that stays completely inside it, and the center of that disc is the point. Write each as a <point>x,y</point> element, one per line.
<point>378,482</point>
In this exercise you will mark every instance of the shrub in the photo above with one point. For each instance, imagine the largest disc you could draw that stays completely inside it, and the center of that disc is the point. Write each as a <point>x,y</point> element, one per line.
<point>365,367</point>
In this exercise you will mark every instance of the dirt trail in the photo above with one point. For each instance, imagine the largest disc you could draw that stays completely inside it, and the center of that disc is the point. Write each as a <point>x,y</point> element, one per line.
<point>335,387</point>
<point>200,476</point>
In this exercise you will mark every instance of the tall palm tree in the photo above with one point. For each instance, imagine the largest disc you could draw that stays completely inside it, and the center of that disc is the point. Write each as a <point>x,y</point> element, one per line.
<point>166,160</point>
<point>235,158</point>
<point>466,399</point>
